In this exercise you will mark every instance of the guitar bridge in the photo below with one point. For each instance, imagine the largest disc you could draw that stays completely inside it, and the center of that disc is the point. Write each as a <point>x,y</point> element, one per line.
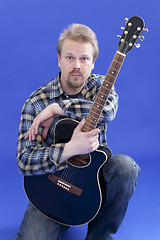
<point>64,185</point>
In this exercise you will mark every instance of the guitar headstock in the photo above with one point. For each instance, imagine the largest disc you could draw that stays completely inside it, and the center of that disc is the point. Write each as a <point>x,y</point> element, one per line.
<point>131,33</point>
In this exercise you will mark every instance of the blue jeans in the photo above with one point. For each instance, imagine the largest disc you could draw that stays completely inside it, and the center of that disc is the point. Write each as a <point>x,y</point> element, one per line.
<point>120,175</point>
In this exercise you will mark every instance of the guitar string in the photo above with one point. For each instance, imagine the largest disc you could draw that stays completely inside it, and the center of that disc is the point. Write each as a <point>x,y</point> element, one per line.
<point>70,172</point>
<point>67,171</point>
<point>75,169</point>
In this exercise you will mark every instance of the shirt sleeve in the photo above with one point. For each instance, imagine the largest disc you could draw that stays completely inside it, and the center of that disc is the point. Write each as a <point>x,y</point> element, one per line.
<point>79,108</point>
<point>35,157</point>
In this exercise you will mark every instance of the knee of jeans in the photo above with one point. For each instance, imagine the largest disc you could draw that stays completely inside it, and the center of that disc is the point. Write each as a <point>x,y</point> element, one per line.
<point>18,237</point>
<point>122,165</point>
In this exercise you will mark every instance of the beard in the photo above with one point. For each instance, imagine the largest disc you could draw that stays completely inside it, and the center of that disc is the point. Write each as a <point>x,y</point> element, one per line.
<point>75,79</point>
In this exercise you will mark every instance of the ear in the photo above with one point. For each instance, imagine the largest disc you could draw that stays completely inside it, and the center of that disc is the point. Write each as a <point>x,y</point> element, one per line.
<point>93,64</point>
<point>59,61</point>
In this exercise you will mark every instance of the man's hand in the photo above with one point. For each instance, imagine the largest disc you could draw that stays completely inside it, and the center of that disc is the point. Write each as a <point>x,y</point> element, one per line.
<point>81,142</point>
<point>44,119</point>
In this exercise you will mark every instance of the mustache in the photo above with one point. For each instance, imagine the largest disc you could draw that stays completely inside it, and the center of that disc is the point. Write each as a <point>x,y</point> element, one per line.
<point>75,71</point>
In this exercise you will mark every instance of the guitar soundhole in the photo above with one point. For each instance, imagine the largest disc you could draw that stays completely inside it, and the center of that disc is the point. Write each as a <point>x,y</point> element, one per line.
<point>80,160</point>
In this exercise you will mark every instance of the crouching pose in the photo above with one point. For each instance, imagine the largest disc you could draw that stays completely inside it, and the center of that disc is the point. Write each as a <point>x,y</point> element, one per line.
<point>71,95</point>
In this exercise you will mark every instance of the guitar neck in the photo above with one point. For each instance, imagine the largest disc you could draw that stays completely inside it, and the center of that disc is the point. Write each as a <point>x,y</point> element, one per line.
<point>102,96</point>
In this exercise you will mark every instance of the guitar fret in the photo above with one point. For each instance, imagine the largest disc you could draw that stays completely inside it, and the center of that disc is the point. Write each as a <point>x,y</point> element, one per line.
<point>101,99</point>
<point>109,79</point>
<point>106,84</point>
<point>114,69</point>
<point>96,110</point>
<point>92,119</point>
<point>88,127</point>
<point>97,106</point>
<point>110,75</point>
<point>94,113</point>
<point>116,61</point>
<point>104,90</point>
<point>91,124</point>
<point>85,128</point>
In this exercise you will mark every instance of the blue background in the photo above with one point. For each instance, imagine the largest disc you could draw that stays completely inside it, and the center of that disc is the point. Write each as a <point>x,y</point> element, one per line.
<point>29,30</point>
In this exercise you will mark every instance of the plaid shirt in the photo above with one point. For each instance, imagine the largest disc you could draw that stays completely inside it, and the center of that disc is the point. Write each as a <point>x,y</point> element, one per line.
<point>43,155</point>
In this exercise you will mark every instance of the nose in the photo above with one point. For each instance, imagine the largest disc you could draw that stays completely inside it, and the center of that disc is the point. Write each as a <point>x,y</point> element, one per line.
<point>77,64</point>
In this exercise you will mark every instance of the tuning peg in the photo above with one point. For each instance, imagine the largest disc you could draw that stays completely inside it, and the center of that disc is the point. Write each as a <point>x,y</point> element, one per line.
<point>122,28</point>
<point>141,38</point>
<point>137,45</point>
<point>119,36</point>
<point>146,30</point>
<point>126,20</point>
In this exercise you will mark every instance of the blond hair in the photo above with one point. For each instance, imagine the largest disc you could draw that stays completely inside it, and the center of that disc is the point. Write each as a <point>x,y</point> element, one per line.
<point>79,32</point>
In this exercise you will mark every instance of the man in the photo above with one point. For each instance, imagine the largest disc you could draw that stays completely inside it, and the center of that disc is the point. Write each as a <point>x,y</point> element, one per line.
<point>71,94</point>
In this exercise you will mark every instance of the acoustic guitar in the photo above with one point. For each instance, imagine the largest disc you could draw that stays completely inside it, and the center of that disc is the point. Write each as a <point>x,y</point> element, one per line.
<point>72,196</point>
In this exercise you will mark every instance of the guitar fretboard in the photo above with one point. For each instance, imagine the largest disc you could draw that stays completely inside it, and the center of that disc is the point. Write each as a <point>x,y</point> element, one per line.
<point>102,96</point>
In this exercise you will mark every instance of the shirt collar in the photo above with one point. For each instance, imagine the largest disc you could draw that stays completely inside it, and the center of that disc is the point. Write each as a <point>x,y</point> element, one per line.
<point>56,87</point>
<point>58,91</point>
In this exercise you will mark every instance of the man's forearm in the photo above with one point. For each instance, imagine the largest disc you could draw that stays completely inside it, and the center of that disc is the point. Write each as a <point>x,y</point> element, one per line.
<point>57,110</point>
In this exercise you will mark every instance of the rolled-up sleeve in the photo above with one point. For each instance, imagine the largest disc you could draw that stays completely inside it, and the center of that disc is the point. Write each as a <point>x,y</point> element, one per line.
<point>79,108</point>
<point>35,157</point>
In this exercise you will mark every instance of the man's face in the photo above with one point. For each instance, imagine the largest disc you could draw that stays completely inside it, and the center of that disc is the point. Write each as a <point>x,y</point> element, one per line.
<point>76,63</point>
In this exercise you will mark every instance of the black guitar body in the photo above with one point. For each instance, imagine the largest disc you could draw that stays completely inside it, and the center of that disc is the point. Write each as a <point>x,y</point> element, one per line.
<point>71,196</point>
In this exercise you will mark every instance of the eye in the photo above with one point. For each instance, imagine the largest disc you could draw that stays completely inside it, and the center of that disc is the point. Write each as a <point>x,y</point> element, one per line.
<point>69,57</point>
<point>84,59</point>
